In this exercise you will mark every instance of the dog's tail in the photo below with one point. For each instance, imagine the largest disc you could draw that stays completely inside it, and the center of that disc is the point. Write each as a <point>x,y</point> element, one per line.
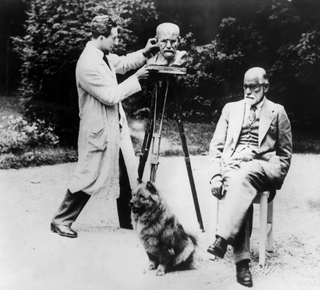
<point>193,231</point>
<point>193,238</point>
<point>186,259</point>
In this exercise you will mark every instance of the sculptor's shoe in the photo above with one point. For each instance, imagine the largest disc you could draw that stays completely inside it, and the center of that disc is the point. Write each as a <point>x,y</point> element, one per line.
<point>219,247</point>
<point>244,276</point>
<point>64,231</point>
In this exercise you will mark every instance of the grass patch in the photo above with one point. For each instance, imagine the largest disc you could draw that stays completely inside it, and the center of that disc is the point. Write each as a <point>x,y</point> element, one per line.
<point>306,143</point>
<point>198,136</point>
<point>38,157</point>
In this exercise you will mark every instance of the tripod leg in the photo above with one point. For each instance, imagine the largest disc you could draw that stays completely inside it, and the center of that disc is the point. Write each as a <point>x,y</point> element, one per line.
<point>156,138</point>
<point>153,172</point>
<point>187,161</point>
<point>145,149</point>
<point>147,138</point>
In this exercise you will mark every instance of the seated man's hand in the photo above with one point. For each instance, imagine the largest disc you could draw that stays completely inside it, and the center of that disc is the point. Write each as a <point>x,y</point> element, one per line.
<point>247,154</point>
<point>216,187</point>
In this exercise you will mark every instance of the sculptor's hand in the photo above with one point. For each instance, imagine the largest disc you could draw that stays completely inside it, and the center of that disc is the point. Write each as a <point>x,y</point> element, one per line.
<point>142,73</point>
<point>216,187</point>
<point>151,47</point>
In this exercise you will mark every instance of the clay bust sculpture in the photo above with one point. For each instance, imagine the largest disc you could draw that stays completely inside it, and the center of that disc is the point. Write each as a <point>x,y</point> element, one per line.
<point>167,35</point>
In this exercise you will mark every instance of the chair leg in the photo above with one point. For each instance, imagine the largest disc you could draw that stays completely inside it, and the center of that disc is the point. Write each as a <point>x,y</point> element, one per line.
<point>270,224</point>
<point>266,224</point>
<point>213,226</point>
<point>263,228</point>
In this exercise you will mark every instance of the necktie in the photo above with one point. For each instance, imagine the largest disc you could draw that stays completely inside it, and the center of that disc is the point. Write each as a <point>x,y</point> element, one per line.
<point>106,60</point>
<point>252,114</point>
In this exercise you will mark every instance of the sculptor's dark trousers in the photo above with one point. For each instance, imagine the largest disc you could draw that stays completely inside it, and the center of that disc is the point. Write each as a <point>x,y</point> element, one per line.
<point>124,210</point>
<point>73,203</point>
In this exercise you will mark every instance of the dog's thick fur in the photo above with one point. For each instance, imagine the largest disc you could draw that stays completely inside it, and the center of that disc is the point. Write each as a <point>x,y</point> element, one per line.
<point>163,237</point>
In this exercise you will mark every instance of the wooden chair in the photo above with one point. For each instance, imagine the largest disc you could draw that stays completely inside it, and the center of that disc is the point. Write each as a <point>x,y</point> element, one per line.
<point>265,225</point>
<point>265,229</point>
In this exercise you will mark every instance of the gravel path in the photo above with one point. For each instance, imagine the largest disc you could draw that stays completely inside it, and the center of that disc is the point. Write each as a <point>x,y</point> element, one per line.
<point>108,258</point>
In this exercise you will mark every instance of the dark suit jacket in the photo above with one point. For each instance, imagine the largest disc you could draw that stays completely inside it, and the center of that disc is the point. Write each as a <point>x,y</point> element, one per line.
<point>275,139</point>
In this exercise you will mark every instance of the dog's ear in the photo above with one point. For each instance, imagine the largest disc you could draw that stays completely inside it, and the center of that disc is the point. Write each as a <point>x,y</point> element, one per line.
<point>151,187</point>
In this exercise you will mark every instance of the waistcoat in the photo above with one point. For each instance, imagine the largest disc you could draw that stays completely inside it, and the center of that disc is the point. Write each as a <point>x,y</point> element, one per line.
<point>249,135</point>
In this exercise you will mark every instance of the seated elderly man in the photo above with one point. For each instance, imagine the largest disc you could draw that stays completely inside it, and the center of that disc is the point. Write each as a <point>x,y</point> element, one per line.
<point>250,152</point>
<point>167,36</point>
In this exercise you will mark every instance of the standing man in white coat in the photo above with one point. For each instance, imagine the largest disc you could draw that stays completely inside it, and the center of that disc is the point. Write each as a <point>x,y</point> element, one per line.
<point>104,142</point>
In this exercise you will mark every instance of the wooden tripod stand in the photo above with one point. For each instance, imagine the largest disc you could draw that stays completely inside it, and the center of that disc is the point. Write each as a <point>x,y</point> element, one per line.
<point>164,87</point>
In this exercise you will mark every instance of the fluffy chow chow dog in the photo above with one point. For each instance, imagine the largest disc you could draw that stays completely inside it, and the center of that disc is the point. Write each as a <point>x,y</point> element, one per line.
<point>166,242</point>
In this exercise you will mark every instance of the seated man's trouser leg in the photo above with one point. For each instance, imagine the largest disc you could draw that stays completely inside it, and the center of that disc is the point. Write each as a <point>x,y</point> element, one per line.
<point>241,246</point>
<point>241,182</point>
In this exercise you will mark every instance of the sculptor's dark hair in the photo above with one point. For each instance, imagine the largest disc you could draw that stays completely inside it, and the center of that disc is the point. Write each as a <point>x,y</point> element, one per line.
<point>102,25</point>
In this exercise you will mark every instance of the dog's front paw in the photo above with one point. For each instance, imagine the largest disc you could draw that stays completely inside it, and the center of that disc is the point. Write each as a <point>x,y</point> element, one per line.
<point>161,270</point>
<point>152,266</point>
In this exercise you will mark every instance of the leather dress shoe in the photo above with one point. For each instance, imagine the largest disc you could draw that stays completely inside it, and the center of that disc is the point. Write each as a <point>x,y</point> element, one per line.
<point>64,231</point>
<point>244,276</point>
<point>218,248</point>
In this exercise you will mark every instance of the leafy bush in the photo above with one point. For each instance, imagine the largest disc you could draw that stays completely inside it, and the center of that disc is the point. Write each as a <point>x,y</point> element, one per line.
<point>63,119</point>
<point>26,143</point>
<point>281,36</point>
<point>20,135</point>
<point>56,33</point>
<point>215,70</point>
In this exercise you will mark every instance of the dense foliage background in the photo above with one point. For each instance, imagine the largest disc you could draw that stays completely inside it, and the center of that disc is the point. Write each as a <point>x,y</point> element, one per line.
<point>223,37</point>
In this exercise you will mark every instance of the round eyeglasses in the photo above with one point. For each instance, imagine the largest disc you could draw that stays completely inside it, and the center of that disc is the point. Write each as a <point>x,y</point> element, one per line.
<point>252,87</point>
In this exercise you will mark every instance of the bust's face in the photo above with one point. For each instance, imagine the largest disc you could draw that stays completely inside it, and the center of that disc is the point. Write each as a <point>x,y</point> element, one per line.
<point>168,40</point>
